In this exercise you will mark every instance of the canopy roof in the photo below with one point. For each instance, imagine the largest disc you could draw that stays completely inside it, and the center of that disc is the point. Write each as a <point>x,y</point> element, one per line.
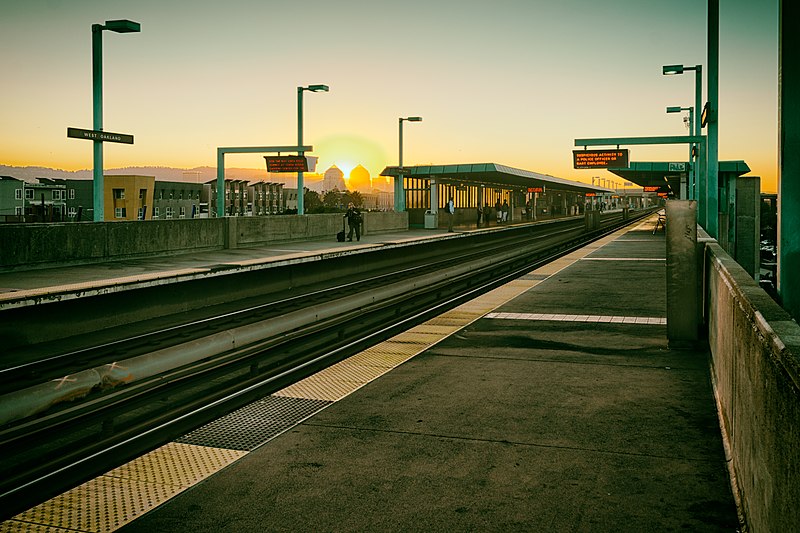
<point>491,174</point>
<point>659,174</point>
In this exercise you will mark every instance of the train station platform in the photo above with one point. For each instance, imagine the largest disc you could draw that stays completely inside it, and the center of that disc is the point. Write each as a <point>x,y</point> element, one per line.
<point>22,287</point>
<point>552,403</point>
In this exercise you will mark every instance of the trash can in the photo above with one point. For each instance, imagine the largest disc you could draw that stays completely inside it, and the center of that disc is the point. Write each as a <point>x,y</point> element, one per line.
<point>431,220</point>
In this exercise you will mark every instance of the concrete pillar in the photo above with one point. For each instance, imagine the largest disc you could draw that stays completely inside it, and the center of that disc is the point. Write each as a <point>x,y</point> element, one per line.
<point>682,296</point>
<point>747,248</point>
<point>789,159</point>
<point>231,233</point>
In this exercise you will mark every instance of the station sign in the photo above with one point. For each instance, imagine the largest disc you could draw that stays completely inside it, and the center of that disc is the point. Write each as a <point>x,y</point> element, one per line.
<point>677,167</point>
<point>600,158</point>
<point>99,135</point>
<point>535,189</point>
<point>286,163</point>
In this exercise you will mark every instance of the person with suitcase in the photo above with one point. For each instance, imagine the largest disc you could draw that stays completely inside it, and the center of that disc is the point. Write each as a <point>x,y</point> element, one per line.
<point>353,217</point>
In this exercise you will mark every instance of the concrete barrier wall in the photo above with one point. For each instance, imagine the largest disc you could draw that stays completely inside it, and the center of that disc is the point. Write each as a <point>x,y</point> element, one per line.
<point>755,348</point>
<point>24,246</point>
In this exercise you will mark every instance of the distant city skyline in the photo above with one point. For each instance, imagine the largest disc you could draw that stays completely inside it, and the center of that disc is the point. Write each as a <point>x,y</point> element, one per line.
<point>512,82</point>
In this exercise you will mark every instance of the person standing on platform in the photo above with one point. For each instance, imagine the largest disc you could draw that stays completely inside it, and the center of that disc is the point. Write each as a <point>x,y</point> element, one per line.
<point>505,210</point>
<point>487,211</point>
<point>480,214</point>
<point>450,208</point>
<point>498,210</point>
<point>353,217</point>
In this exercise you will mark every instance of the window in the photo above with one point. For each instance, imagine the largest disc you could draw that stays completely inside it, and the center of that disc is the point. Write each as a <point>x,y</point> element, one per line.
<point>73,212</point>
<point>29,194</point>
<point>182,212</point>
<point>119,212</point>
<point>168,213</point>
<point>161,194</point>
<point>72,194</point>
<point>140,214</point>
<point>156,211</point>
<point>56,194</point>
<point>119,194</point>
<point>18,211</point>
<point>17,194</point>
<point>142,193</point>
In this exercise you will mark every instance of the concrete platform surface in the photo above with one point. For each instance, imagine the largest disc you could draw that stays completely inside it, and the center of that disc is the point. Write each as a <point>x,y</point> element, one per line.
<point>562,410</point>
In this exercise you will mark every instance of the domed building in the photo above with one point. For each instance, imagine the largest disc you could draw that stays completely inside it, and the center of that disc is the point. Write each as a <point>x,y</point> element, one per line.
<point>360,180</point>
<point>333,179</point>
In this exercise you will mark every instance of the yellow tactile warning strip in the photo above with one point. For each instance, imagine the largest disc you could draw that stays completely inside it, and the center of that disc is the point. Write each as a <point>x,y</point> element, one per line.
<point>110,501</point>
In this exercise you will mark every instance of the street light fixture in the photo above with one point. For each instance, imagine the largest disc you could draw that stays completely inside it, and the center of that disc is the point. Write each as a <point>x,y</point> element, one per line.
<point>693,169</point>
<point>314,89</point>
<point>399,198</point>
<point>117,26</point>
<point>700,168</point>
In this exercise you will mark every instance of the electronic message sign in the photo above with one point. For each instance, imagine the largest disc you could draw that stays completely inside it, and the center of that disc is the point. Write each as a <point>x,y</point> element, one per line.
<point>535,189</point>
<point>650,188</point>
<point>286,163</point>
<point>600,158</point>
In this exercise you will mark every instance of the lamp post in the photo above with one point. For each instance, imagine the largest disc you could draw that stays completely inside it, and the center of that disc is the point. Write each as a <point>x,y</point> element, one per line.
<point>702,165</point>
<point>300,90</point>
<point>399,198</point>
<point>118,26</point>
<point>693,170</point>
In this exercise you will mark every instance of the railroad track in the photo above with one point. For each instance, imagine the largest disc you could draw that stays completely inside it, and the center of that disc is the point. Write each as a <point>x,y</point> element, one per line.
<point>156,385</point>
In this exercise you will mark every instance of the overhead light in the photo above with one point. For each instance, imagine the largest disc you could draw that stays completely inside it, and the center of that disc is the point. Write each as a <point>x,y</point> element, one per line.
<point>318,88</point>
<point>673,69</point>
<point>123,26</point>
<point>674,109</point>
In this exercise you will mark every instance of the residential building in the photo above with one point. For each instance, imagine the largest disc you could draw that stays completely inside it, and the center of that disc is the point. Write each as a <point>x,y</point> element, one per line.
<point>176,199</point>
<point>127,197</point>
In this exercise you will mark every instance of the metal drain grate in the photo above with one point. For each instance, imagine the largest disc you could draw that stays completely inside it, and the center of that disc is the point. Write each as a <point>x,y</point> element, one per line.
<point>254,424</point>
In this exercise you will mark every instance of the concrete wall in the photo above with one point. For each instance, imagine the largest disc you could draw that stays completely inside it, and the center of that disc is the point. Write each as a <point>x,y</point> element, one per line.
<point>41,245</point>
<point>755,349</point>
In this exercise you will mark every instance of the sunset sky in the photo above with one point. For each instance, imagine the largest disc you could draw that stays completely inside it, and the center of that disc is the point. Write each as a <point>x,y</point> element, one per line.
<point>508,81</point>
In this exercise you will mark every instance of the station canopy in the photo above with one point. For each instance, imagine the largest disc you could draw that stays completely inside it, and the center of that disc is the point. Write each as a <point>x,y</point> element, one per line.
<point>491,174</point>
<point>668,175</point>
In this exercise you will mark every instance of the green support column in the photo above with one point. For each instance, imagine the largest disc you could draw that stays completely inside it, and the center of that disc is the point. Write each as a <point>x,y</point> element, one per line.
<point>97,121</point>
<point>712,186</point>
<point>789,159</point>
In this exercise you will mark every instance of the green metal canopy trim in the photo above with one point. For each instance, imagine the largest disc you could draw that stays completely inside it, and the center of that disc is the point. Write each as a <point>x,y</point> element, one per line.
<point>491,173</point>
<point>650,172</point>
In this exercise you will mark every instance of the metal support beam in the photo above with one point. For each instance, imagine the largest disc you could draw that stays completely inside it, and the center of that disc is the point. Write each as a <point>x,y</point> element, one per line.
<point>619,141</point>
<point>789,159</point>
<point>221,151</point>
<point>712,177</point>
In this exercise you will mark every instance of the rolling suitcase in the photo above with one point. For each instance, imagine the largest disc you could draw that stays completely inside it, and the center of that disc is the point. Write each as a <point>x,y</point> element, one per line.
<point>340,235</point>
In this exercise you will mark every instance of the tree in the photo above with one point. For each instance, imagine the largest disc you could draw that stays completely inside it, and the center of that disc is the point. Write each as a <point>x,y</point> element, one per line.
<point>356,198</point>
<point>332,199</point>
<point>311,201</point>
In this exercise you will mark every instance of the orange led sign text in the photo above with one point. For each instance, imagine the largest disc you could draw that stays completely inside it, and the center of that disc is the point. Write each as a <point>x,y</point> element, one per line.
<point>287,163</point>
<point>651,189</point>
<point>600,158</point>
